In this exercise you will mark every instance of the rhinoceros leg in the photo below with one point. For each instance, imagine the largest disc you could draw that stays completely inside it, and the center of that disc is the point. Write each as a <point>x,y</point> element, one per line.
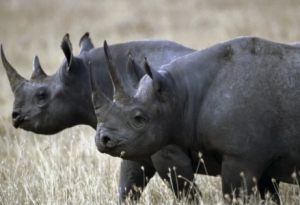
<point>172,161</point>
<point>133,179</point>
<point>238,178</point>
<point>265,185</point>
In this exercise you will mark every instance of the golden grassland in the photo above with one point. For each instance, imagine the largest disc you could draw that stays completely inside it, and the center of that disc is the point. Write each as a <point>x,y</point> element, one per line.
<point>66,168</point>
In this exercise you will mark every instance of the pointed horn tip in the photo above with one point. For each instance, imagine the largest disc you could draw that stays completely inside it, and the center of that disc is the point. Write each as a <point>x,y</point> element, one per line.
<point>2,49</point>
<point>67,35</point>
<point>106,50</point>
<point>2,54</point>
<point>105,43</point>
<point>36,59</point>
<point>146,62</point>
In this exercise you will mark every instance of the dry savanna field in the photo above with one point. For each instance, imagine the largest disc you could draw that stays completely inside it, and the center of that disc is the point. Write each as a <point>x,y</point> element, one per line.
<point>66,168</point>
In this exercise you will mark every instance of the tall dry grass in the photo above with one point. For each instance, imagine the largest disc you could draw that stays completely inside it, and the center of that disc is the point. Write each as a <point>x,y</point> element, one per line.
<point>66,168</point>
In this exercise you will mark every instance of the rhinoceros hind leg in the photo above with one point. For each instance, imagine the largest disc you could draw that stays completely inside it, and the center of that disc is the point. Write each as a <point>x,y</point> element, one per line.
<point>238,179</point>
<point>265,185</point>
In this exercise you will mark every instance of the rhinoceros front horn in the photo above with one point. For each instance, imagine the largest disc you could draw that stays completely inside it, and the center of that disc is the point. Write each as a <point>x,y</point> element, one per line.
<point>38,72</point>
<point>13,76</point>
<point>119,91</point>
<point>98,98</point>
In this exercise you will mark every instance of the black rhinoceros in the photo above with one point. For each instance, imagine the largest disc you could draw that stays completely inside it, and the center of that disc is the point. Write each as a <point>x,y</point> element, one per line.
<point>236,102</point>
<point>48,104</point>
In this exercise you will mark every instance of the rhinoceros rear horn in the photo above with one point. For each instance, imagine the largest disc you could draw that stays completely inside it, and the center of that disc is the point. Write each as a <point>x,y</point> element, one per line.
<point>158,79</point>
<point>119,91</point>
<point>135,72</point>
<point>98,98</point>
<point>13,76</point>
<point>85,43</point>
<point>38,72</point>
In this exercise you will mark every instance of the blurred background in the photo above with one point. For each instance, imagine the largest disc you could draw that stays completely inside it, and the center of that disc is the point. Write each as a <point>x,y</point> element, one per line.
<point>34,27</point>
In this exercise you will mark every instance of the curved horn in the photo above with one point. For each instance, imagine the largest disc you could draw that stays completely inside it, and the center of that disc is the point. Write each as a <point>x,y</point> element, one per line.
<point>38,72</point>
<point>158,79</point>
<point>13,76</point>
<point>119,91</point>
<point>85,43</point>
<point>135,72</point>
<point>98,98</point>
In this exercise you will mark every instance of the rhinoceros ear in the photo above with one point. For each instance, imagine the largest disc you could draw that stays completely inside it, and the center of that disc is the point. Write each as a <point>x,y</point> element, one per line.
<point>38,72</point>
<point>159,81</point>
<point>85,43</point>
<point>66,46</point>
<point>135,72</point>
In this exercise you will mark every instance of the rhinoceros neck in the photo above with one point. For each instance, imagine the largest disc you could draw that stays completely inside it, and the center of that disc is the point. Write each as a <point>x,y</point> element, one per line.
<point>87,117</point>
<point>192,76</point>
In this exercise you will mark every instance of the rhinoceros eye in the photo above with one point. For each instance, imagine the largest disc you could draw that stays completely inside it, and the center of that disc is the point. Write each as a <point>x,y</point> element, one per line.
<point>138,120</point>
<point>41,97</point>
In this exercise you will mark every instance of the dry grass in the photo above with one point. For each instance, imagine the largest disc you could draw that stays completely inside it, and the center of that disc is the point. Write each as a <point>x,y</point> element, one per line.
<point>66,168</point>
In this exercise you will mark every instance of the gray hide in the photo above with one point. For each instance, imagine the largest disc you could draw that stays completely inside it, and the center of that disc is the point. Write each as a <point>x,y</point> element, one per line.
<point>48,104</point>
<point>235,102</point>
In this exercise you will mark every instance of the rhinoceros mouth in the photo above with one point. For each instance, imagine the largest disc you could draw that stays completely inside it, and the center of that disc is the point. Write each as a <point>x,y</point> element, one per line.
<point>17,122</point>
<point>113,151</point>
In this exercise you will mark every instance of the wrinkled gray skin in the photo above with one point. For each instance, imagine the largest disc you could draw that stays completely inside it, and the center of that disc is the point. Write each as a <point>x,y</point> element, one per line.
<point>236,102</point>
<point>48,104</point>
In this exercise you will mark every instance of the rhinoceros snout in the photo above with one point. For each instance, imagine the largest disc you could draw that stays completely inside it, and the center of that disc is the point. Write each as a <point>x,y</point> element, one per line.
<point>104,142</point>
<point>17,119</point>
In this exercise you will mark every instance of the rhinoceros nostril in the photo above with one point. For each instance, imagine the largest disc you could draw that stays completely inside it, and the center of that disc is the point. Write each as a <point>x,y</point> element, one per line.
<point>15,115</point>
<point>17,119</point>
<point>105,139</point>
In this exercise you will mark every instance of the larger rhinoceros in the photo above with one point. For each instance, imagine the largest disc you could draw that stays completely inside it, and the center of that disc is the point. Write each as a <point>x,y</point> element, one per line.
<point>48,104</point>
<point>236,102</point>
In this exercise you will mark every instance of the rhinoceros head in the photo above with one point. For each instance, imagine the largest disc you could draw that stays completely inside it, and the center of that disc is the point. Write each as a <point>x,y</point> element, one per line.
<point>41,101</point>
<point>129,123</point>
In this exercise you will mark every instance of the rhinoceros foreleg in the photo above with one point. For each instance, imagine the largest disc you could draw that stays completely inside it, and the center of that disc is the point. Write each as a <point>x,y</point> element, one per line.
<point>172,161</point>
<point>239,178</point>
<point>265,185</point>
<point>134,176</point>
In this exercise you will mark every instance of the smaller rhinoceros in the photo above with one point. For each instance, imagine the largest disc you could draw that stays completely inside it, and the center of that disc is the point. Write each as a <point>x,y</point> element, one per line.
<point>235,102</point>
<point>48,104</point>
